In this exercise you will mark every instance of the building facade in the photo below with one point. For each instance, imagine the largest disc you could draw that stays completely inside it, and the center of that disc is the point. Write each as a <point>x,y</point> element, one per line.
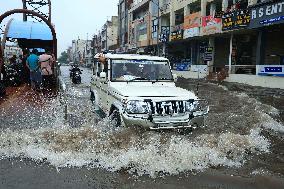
<point>81,52</point>
<point>109,35</point>
<point>239,36</point>
<point>11,50</point>
<point>123,25</point>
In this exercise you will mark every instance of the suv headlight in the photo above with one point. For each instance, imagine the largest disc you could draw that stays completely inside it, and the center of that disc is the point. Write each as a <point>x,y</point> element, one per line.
<point>192,107</point>
<point>137,107</point>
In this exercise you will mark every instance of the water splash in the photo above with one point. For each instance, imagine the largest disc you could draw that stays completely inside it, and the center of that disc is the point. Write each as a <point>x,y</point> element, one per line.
<point>135,152</point>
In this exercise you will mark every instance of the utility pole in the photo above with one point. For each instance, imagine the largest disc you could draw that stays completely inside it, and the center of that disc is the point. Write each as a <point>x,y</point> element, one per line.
<point>158,29</point>
<point>106,36</point>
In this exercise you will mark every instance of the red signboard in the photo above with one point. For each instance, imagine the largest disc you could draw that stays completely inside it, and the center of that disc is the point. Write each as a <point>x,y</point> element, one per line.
<point>211,25</point>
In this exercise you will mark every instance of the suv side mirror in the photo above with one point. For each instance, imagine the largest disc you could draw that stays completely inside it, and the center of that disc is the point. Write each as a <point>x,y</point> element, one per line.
<point>175,77</point>
<point>103,75</point>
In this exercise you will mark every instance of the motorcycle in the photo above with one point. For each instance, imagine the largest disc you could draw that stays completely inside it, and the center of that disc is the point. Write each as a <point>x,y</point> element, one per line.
<point>13,75</point>
<point>75,75</point>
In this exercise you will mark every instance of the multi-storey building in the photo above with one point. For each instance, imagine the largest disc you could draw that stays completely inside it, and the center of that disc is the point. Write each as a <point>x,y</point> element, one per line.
<point>123,25</point>
<point>87,55</point>
<point>11,50</point>
<point>240,36</point>
<point>109,34</point>
<point>96,44</point>
<point>81,52</point>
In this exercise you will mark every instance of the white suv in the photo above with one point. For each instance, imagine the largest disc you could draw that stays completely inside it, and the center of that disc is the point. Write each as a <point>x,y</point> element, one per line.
<point>136,90</point>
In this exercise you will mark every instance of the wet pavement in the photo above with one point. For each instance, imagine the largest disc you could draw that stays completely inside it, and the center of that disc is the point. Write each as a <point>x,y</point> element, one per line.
<point>60,143</point>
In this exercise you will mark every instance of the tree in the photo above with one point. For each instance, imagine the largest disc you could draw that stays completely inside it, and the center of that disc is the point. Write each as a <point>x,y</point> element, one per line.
<point>63,58</point>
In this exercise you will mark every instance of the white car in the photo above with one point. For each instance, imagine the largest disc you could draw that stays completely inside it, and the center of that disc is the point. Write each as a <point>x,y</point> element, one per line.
<point>139,90</point>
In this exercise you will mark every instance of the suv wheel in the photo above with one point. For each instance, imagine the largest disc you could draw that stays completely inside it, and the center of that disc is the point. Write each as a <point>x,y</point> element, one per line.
<point>92,97</point>
<point>115,118</point>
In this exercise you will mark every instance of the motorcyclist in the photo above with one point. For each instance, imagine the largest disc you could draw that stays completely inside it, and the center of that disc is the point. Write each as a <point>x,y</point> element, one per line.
<point>74,69</point>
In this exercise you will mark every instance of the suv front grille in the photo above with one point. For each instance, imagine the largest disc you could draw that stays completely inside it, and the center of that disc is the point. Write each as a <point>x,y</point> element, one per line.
<point>167,107</point>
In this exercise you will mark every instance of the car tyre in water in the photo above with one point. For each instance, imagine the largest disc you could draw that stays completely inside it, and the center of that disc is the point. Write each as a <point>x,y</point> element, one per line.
<point>115,118</point>
<point>92,97</point>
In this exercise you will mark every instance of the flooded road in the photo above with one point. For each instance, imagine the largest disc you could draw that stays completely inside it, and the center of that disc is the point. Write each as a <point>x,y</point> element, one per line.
<point>61,140</point>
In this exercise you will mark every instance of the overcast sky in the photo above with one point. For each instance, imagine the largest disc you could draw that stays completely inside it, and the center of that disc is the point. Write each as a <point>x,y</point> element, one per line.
<point>72,18</point>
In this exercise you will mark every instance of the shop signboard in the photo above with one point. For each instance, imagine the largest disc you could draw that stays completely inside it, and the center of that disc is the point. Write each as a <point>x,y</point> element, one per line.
<point>177,33</point>
<point>165,33</point>
<point>192,20</point>
<point>235,20</point>
<point>191,32</point>
<point>154,28</point>
<point>270,70</point>
<point>199,68</point>
<point>211,25</point>
<point>268,14</point>
<point>208,54</point>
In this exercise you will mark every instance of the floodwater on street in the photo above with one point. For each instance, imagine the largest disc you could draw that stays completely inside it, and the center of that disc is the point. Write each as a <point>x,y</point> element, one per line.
<point>240,147</point>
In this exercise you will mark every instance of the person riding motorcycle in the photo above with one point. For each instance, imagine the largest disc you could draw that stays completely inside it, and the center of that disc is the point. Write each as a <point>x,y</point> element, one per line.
<point>75,69</point>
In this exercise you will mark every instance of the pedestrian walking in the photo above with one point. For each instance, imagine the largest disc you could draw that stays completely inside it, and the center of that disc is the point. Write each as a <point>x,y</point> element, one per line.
<point>46,62</point>
<point>34,67</point>
<point>26,71</point>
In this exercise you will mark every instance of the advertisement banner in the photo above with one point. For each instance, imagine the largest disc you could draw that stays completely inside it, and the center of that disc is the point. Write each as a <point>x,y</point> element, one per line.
<point>192,20</point>
<point>268,14</point>
<point>211,25</point>
<point>165,34</point>
<point>235,20</point>
<point>270,70</point>
<point>177,33</point>
<point>191,32</point>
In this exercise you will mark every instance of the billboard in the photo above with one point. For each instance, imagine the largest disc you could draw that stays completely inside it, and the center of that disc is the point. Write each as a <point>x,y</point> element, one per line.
<point>191,32</point>
<point>235,20</point>
<point>211,25</point>
<point>192,20</point>
<point>268,14</point>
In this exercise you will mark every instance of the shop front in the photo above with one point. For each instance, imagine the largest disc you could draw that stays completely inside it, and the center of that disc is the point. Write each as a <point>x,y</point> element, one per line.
<point>268,19</point>
<point>241,45</point>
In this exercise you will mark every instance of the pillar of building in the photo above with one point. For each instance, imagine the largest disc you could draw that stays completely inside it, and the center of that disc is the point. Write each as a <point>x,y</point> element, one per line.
<point>230,54</point>
<point>225,5</point>
<point>260,48</point>
<point>210,64</point>
<point>203,7</point>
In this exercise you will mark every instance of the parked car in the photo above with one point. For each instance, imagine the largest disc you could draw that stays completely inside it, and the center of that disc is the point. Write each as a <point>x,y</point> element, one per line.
<point>139,90</point>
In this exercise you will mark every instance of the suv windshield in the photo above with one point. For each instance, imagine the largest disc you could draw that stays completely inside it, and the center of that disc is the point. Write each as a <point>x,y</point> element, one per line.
<point>140,70</point>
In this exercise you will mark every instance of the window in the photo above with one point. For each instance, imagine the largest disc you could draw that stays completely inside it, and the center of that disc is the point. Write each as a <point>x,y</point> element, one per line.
<point>179,17</point>
<point>140,70</point>
<point>195,7</point>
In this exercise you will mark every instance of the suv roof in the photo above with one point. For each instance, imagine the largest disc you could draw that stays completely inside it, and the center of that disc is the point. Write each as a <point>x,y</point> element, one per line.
<point>133,56</point>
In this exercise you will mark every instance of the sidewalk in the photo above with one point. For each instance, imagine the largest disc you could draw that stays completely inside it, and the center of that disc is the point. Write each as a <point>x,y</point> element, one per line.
<point>253,80</point>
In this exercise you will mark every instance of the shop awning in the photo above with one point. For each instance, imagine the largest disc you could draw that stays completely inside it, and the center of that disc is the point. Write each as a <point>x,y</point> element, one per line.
<point>29,30</point>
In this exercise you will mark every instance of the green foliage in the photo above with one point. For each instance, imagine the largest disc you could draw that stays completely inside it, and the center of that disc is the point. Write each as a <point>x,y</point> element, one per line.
<point>63,58</point>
